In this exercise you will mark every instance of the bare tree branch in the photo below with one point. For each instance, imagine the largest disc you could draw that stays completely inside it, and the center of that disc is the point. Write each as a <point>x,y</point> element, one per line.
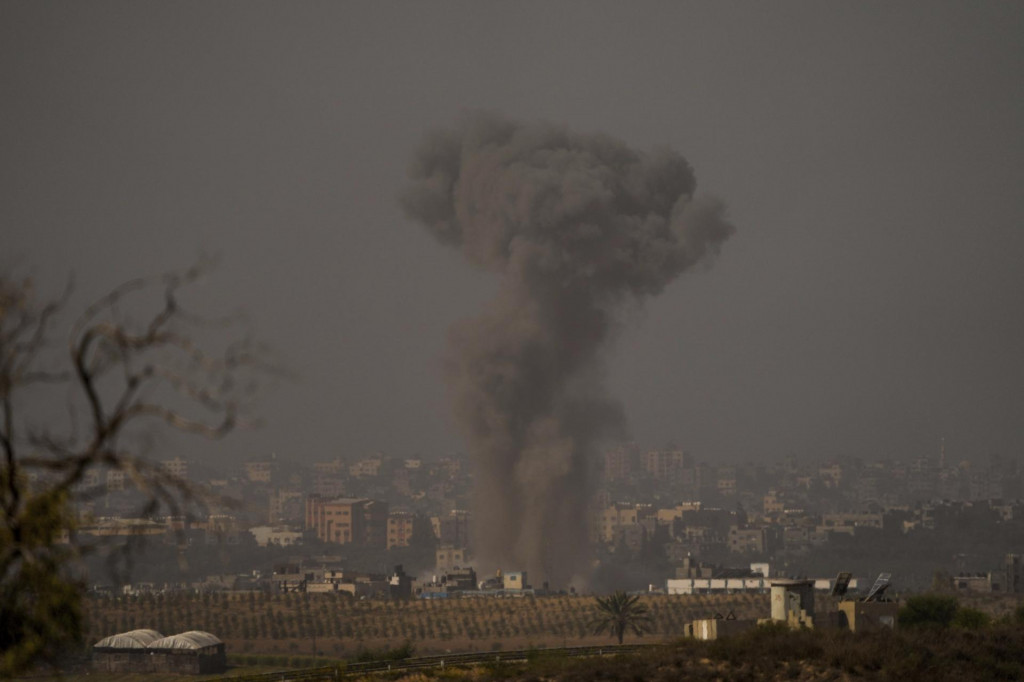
<point>162,368</point>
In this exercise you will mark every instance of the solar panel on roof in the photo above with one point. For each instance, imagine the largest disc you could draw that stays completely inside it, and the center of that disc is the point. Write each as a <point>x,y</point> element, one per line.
<point>842,584</point>
<point>881,584</point>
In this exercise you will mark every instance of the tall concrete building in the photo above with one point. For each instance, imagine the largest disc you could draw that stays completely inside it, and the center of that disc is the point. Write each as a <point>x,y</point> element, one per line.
<point>347,520</point>
<point>454,528</point>
<point>400,528</point>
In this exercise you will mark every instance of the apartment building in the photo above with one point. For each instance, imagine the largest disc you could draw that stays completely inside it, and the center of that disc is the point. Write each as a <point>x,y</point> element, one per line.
<point>400,527</point>
<point>670,514</point>
<point>176,467</point>
<point>333,467</point>
<point>347,520</point>
<point>369,467</point>
<point>115,480</point>
<point>449,558</point>
<point>260,471</point>
<point>285,506</point>
<point>609,522</point>
<point>618,463</point>
<point>453,528</point>
<point>773,503</point>
<point>666,465</point>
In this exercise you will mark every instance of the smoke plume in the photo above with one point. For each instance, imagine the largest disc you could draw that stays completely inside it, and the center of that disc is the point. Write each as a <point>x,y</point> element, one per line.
<point>575,225</point>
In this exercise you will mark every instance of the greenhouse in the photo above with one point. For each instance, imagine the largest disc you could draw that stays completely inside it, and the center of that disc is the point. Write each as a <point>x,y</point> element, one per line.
<point>147,651</point>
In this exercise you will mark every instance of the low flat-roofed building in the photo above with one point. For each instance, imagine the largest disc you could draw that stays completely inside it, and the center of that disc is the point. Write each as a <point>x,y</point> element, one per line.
<point>515,580</point>
<point>713,628</point>
<point>278,536</point>
<point>449,558</point>
<point>867,616</point>
<point>793,602</point>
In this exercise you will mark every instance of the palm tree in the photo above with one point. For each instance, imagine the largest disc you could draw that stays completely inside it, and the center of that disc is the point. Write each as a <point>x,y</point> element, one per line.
<point>620,612</point>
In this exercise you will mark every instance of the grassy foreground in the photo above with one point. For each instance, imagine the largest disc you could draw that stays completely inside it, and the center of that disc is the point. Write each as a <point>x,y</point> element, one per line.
<point>775,653</point>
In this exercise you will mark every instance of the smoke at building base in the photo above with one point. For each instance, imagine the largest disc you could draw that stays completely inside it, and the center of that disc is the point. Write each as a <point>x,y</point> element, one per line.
<point>575,226</point>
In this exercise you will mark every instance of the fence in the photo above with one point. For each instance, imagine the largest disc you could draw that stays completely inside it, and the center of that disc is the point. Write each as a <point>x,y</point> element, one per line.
<point>341,671</point>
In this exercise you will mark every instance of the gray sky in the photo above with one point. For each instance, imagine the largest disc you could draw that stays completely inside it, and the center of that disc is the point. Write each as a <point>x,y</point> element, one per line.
<point>871,155</point>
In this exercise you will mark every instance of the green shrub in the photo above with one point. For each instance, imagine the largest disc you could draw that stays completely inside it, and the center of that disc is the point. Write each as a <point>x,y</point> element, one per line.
<point>928,610</point>
<point>970,619</point>
<point>396,654</point>
<point>767,646</point>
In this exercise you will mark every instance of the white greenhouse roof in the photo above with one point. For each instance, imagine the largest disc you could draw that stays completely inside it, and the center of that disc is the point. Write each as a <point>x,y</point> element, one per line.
<point>193,639</point>
<point>134,639</point>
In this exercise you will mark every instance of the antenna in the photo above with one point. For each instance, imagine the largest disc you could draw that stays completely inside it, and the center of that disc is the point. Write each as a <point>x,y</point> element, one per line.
<point>880,586</point>
<point>942,452</point>
<point>841,585</point>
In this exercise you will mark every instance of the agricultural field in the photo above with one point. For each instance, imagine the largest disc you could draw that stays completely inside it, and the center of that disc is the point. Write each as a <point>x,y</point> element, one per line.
<point>336,626</point>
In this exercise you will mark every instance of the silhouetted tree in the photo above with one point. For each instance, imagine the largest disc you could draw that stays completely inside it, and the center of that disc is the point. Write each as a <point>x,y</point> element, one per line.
<point>620,612</point>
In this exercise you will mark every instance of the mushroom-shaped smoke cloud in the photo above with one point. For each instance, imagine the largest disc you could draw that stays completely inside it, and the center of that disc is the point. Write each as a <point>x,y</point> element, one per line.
<point>575,225</point>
